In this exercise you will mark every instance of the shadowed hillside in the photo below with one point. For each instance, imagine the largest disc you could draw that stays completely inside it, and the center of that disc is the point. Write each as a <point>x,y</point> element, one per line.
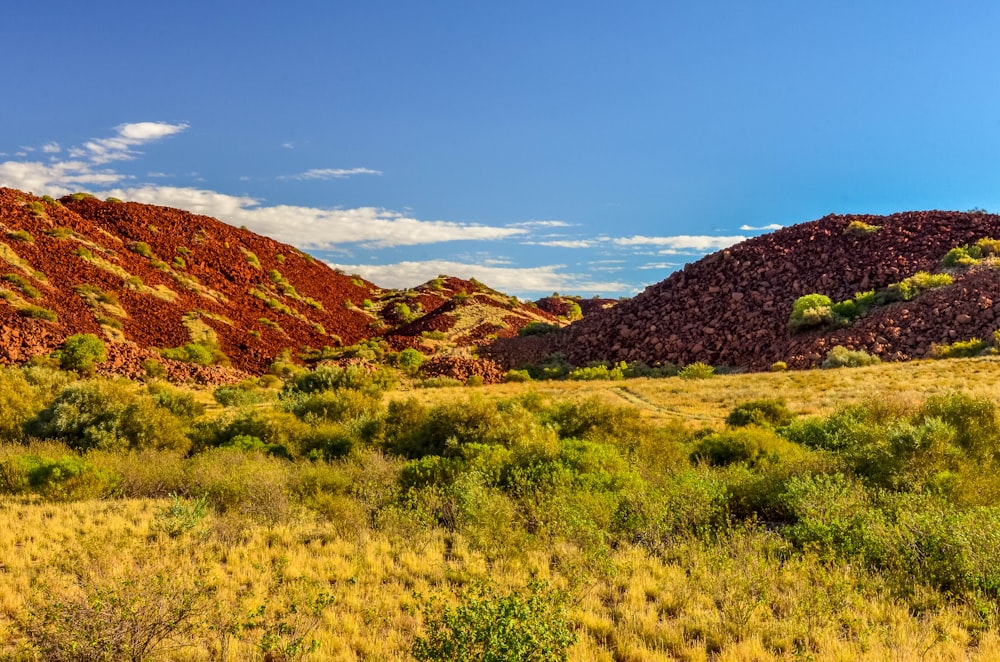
<point>732,308</point>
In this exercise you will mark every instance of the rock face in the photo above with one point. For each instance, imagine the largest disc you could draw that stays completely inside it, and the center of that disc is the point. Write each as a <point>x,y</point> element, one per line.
<point>732,307</point>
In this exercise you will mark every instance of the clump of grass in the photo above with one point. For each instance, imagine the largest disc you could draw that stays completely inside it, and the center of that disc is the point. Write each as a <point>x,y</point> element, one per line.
<point>696,370</point>
<point>37,312</point>
<point>22,236</point>
<point>21,283</point>
<point>960,349</point>
<point>252,259</point>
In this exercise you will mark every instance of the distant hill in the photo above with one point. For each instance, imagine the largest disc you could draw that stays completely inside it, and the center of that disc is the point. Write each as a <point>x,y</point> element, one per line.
<point>732,307</point>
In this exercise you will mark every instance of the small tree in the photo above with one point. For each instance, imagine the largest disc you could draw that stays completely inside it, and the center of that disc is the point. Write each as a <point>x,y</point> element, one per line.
<point>82,352</point>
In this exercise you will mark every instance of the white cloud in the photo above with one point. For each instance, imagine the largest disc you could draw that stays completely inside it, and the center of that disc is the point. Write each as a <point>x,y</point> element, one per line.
<point>750,228</point>
<point>51,148</point>
<point>541,279</point>
<point>54,178</point>
<point>311,227</point>
<point>658,265</point>
<point>542,224</point>
<point>129,136</point>
<point>332,173</point>
<point>564,243</point>
<point>684,242</point>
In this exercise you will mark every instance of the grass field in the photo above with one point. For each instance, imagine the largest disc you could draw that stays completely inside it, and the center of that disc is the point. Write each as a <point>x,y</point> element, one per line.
<point>657,531</point>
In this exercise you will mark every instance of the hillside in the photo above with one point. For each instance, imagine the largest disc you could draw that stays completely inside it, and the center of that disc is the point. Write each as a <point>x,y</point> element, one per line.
<point>732,308</point>
<point>150,278</point>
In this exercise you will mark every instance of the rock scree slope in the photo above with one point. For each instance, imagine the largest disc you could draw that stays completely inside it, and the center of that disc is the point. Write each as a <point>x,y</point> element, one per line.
<point>731,308</point>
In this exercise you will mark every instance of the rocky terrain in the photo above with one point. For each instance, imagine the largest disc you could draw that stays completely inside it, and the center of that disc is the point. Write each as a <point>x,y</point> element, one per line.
<point>732,308</point>
<point>150,278</point>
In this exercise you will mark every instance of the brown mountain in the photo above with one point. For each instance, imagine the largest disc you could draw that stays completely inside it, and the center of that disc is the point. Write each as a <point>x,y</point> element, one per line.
<point>732,307</point>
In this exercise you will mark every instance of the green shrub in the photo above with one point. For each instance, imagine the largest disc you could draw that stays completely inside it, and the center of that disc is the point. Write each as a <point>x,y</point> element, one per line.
<point>198,353</point>
<point>599,371</point>
<point>178,402</point>
<point>778,366</point>
<point>440,381</point>
<point>841,357</point>
<point>244,394</point>
<point>962,256</point>
<point>517,376</point>
<point>751,446</point>
<point>844,313</point>
<point>537,329</point>
<point>988,247</point>
<point>108,415</point>
<point>767,411</point>
<point>329,378</point>
<point>912,287</point>
<point>531,625</point>
<point>811,310</point>
<point>696,370</point>
<point>973,419</point>
<point>252,259</point>
<point>62,478</point>
<point>82,352</point>
<point>959,349</point>
<point>858,226</point>
<point>410,360</point>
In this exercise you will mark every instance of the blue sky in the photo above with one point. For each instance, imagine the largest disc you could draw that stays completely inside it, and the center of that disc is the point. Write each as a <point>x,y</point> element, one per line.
<point>580,147</point>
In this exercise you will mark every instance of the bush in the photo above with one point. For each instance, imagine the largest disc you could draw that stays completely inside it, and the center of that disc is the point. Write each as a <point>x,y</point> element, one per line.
<point>82,352</point>
<point>962,256</point>
<point>21,235</point>
<point>517,376</point>
<point>108,415</point>
<point>750,446</point>
<point>537,329</point>
<point>778,366</point>
<point>768,411</point>
<point>244,394</point>
<point>811,310</point>
<point>597,372</point>
<point>529,626</point>
<point>959,349</point>
<point>841,357</point>
<point>912,287</point>
<point>860,227</point>
<point>410,360</point>
<point>697,370</point>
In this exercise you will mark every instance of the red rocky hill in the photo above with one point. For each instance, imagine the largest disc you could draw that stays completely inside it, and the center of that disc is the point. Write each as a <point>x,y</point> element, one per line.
<point>732,308</point>
<point>148,278</point>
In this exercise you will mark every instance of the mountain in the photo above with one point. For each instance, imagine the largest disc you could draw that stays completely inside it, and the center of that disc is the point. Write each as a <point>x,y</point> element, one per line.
<point>150,278</point>
<point>732,308</point>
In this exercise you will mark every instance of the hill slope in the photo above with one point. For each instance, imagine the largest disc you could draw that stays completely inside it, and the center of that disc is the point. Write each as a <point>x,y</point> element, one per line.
<point>732,307</point>
<point>148,278</point>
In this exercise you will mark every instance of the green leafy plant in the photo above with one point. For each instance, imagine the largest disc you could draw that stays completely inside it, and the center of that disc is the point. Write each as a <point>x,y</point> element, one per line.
<point>82,352</point>
<point>842,357</point>
<point>528,626</point>
<point>858,226</point>
<point>696,370</point>
<point>811,310</point>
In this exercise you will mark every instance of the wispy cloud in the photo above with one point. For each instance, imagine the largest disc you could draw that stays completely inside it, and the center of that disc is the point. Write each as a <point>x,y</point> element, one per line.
<point>684,242</point>
<point>122,145</point>
<point>750,228</point>
<point>331,173</point>
<point>564,243</point>
<point>661,266</point>
<point>84,168</point>
<point>312,227</point>
<point>542,224</point>
<point>527,280</point>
